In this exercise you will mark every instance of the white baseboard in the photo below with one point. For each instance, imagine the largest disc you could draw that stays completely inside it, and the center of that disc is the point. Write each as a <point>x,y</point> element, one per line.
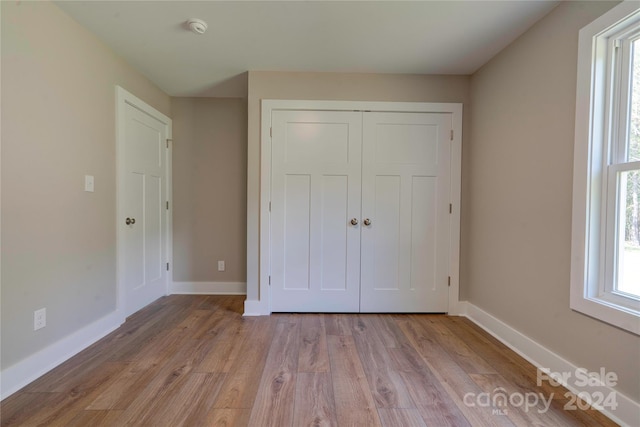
<point>208,288</point>
<point>255,308</point>
<point>27,370</point>
<point>627,412</point>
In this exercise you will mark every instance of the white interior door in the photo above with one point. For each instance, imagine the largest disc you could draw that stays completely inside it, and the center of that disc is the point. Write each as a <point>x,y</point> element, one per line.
<point>143,213</point>
<point>390,174</point>
<point>405,197</point>
<point>315,192</point>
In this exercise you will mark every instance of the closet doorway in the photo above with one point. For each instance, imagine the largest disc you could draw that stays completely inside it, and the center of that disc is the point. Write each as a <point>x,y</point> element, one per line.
<point>361,214</point>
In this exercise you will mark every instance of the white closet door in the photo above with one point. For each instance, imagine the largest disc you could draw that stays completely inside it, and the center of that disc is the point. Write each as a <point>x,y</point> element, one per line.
<point>315,192</point>
<point>405,195</point>
<point>143,196</point>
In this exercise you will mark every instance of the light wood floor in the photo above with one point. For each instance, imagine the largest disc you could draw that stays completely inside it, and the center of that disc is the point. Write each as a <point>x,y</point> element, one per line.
<point>195,361</point>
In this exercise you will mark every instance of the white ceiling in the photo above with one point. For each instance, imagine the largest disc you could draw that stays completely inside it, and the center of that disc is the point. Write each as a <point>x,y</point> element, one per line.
<point>415,37</point>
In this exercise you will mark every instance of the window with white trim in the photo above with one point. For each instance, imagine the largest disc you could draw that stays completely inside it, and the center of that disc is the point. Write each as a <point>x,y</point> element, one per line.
<point>605,270</point>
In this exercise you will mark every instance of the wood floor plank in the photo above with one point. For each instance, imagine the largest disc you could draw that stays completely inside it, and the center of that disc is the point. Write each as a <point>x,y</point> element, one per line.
<point>95,418</point>
<point>496,353</point>
<point>64,406</point>
<point>195,319</point>
<point>241,382</point>
<point>167,381</point>
<point>468,359</point>
<point>190,402</point>
<point>235,344</point>
<point>497,387</point>
<point>146,366</point>
<point>228,343</point>
<point>239,389</point>
<point>386,385</point>
<point>161,347</point>
<point>18,408</point>
<point>354,403</point>
<point>314,403</point>
<point>174,373</point>
<point>213,303</point>
<point>72,373</point>
<point>337,324</point>
<point>141,328</point>
<point>130,379</point>
<point>227,418</point>
<point>286,317</point>
<point>452,377</point>
<point>126,386</point>
<point>393,417</point>
<point>433,402</point>
<point>313,345</point>
<point>388,332</point>
<point>213,326</point>
<point>276,393</point>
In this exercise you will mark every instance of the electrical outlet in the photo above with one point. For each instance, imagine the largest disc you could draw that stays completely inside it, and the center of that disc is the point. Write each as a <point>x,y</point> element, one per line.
<point>220,265</point>
<point>88,183</point>
<point>39,319</point>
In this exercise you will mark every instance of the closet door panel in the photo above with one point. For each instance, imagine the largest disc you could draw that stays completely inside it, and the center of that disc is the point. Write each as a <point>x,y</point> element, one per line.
<point>334,233</point>
<point>316,191</point>
<point>297,217</point>
<point>405,191</point>
<point>387,258</point>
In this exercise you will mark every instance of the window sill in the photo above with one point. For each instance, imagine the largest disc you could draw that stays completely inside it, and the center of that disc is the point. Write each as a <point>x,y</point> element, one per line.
<point>606,311</point>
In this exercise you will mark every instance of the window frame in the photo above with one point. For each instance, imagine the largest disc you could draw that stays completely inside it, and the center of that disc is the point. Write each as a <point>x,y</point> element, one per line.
<point>601,119</point>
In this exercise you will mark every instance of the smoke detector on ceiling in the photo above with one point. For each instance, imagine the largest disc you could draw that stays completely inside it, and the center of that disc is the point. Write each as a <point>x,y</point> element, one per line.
<point>198,26</point>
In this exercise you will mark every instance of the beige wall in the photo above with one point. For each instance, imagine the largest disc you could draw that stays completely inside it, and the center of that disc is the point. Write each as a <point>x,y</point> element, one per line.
<point>58,124</point>
<point>209,188</point>
<point>340,87</point>
<point>518,242</point>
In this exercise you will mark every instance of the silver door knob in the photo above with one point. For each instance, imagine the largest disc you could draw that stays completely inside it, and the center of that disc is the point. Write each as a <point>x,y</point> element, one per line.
<point>130,221</point>
<point>354,221</point>
<point>367,222</point>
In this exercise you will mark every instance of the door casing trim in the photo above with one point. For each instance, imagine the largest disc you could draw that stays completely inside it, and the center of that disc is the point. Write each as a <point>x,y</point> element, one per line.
<point>262,306</point>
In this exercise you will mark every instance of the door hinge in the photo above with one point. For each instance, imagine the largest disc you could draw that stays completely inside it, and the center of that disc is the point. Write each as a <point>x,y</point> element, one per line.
<point>169,140</point>
<point>449,281</point>
<point>617,43</point>
<point>167,205</point>
<point>271,132</point>
<point>269,206</point>
<point>269,280</point>
<point>167,266</point>
<point>450,208</point>
<point>451,136</point>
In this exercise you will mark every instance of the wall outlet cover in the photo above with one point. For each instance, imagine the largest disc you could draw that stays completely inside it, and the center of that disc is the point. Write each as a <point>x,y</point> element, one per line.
<point>39,319</point>
<point>88,183</point>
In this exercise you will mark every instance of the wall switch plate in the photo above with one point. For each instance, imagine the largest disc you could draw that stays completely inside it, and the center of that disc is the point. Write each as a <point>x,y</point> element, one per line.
<point>88,183</point>
<point>39,319</point>
<point>220,265</point>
